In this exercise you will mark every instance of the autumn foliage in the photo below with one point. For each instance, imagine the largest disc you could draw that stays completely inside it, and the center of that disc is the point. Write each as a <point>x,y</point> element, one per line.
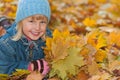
<point>86,38</point>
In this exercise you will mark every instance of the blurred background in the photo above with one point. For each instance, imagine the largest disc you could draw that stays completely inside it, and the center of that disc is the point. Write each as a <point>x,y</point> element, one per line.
<point>79,16</point>
<point>83,17</point>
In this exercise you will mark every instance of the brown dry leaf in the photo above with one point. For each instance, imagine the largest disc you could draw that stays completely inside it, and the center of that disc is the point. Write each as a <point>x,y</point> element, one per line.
<point>114,50</point>
<point>78,29</point>
<point>109,29</point>
<point>84,52</point>
<point>93,69</point>
<point>114,65</point>
<point>77,40</point>
<point>95,77</point>
<point>82,76</point>
<point>101,76</point>
<point>87,52</point>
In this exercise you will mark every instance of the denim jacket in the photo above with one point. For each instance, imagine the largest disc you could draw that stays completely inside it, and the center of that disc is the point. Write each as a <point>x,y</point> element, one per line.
<point>17,54</point>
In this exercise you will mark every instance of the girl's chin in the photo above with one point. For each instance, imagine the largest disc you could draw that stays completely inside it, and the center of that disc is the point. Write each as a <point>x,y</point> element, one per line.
<point>34,38</point>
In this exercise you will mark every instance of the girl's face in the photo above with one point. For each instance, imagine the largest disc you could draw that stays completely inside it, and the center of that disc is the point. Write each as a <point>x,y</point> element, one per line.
<point>34,27</point>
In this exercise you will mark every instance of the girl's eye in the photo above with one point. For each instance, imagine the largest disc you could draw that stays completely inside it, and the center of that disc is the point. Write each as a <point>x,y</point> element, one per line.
<point>31,21</point>
<point>43,22</point>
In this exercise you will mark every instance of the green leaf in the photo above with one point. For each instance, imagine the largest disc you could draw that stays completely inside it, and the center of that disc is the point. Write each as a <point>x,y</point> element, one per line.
<point>3,76</point>
<point>20,72</point>
<point>68,65</point>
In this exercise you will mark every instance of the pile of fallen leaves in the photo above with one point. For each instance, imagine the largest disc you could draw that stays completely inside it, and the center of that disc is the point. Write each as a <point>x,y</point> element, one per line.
<point>63,54</point>
<point>95,56</point>
<point>86,38</point>
<point>80,16</point>
<point>95,28</point>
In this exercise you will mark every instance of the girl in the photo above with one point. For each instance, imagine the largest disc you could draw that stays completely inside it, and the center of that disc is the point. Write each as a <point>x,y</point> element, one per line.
<point>23,50</point>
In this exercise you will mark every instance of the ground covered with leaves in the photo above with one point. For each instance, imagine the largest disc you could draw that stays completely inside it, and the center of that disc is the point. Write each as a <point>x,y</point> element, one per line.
<point>86,38</point>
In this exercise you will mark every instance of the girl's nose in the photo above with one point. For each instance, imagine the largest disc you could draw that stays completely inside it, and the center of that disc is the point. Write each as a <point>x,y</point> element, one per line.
<point>37,27</point>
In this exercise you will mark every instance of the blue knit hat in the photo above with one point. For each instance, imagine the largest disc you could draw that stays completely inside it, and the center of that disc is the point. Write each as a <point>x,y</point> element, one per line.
<point>28,8</point>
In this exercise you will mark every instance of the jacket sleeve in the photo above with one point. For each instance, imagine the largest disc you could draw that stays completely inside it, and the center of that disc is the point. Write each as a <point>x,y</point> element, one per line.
<point>10,32</point>
<point>8,61</point>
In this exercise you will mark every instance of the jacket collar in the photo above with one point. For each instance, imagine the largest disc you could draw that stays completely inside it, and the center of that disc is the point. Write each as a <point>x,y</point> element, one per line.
<point>28,43</point>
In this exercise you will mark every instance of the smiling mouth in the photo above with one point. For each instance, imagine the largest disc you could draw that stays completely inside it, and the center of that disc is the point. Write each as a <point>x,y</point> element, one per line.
<point>36,33</point>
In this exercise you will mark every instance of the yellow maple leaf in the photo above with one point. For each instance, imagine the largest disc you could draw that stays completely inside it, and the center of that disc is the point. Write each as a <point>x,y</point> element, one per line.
<point>58,45</point>
<point>14,8</point>
<point>97,39</point>
<point>11,14</point>
<point>101,42</point>
<point>89,22</point>
<point>63,35</point>
<point>48,43</point>
<point>92,37</point>
<point>8,1</point>
<point>66,33</point>
<point>56,34</point>
<point>84,51</point>
<point>114,38</point>
<point>100,55</point>
<point>101,1</point>
<point>59,48</point>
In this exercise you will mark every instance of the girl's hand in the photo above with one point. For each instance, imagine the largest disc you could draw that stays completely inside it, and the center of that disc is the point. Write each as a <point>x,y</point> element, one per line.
<point>35,76</point>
